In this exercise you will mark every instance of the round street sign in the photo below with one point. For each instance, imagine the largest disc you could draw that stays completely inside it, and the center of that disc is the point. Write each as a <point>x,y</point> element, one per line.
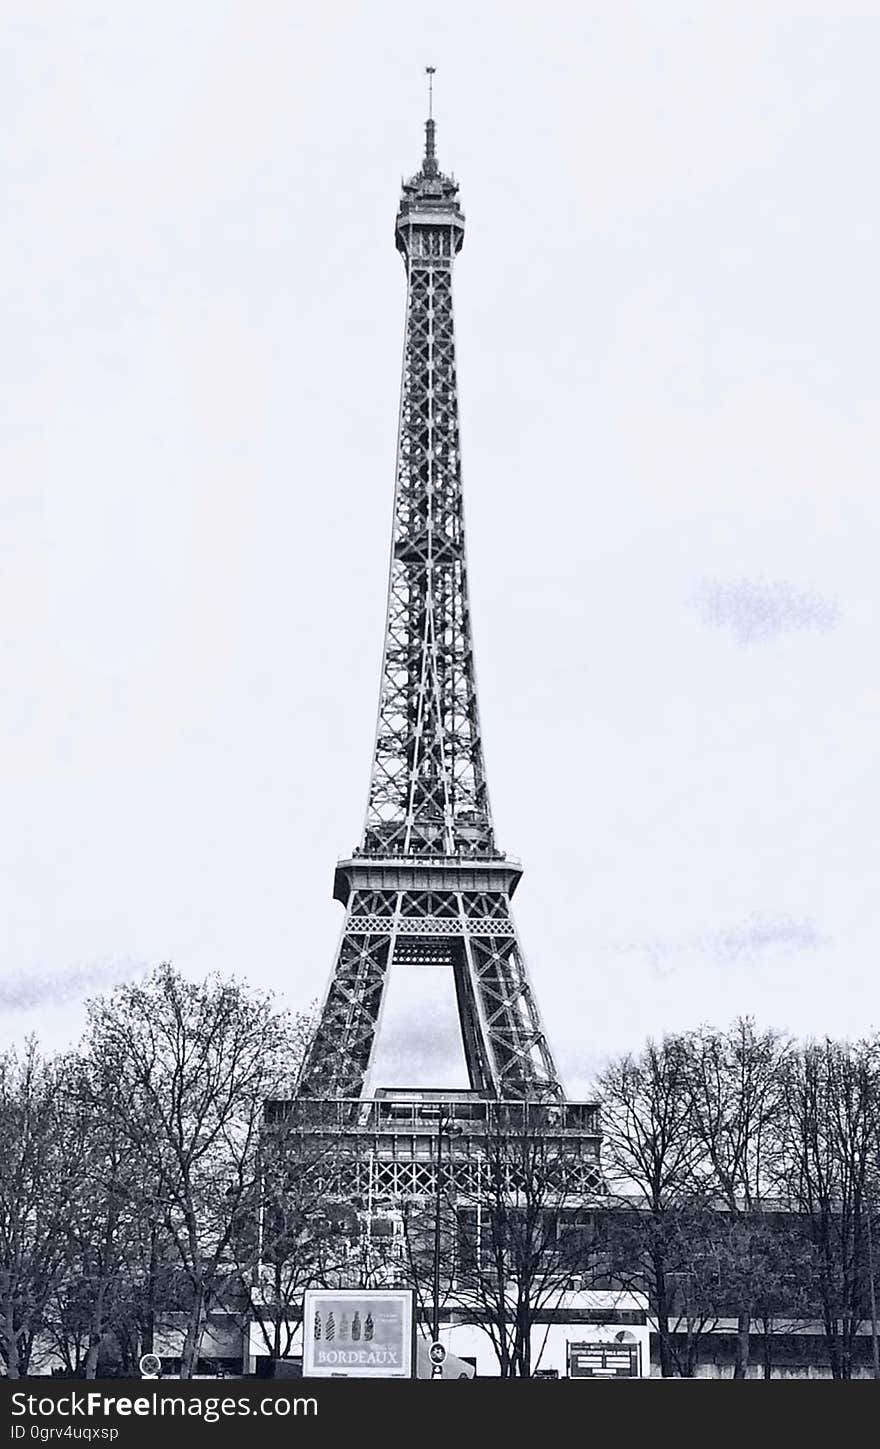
<point>437,1353</point>
<point>150,1365</point>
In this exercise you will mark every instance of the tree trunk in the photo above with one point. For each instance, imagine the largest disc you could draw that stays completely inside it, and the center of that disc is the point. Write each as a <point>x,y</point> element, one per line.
<point>524,1341</point>
<point>12,1363</point>
<point>833,1348</point>
<point>95,1334</point>
<point>741,1361</point>
<point>128,1349</point>
<point>91,1368</point>
<point>503,1351</point>
<point>847,1344</point>
<point>768,1348</point>
<point>688,1357</point>
<point>194,1331</point>
<point>667,1367</point>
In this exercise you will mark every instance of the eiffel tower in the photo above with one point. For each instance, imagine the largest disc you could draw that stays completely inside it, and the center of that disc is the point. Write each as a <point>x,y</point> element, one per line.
<point>427,885</point>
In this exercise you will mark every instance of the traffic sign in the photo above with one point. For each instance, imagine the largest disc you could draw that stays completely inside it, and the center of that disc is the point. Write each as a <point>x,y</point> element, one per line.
<point>437,1355</point>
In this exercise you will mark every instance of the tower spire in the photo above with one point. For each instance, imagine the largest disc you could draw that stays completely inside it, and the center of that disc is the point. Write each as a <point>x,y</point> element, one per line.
<point>430,163</point>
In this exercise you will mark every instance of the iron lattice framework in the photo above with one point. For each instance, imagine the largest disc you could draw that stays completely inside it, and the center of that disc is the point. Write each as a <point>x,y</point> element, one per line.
<point>428,885</point>
<point>388,1149</point>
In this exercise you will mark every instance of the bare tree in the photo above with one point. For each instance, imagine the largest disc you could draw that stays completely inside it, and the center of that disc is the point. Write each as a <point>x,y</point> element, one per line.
<point>438,1228</point>
<point>676,1256</point>
<point>775,1259</point>
<point>191,1066</point>
<point>830,1163</point>
<point>38,1175</point>
<point>651,1158</point>
<point>737,1110</point>
<point>111,1211</point>
<point>518,1236</point>
<point>292,1232</point>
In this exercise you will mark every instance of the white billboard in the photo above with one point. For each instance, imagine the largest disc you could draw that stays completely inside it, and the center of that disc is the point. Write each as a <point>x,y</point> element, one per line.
<point>363,1333</point>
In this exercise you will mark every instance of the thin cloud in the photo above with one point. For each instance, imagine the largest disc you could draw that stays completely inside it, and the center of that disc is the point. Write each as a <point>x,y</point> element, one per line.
<point>767,934</point>
<point>754,612</point>
<point>22,991</point>
<point>754,939</point>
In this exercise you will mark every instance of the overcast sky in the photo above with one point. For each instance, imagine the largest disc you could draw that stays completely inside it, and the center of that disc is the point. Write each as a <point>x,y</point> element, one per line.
<point>667,309</point>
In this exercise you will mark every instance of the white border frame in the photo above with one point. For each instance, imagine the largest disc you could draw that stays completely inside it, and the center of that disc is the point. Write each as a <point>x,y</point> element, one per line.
<point>404,1296</point>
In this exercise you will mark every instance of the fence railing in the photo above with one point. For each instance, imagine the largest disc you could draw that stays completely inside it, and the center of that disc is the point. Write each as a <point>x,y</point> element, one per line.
<point>398,1115</point>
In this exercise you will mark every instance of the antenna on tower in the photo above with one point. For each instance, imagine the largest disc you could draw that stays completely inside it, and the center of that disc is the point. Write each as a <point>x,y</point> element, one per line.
<point>430,155</point>
<point>430,72</point>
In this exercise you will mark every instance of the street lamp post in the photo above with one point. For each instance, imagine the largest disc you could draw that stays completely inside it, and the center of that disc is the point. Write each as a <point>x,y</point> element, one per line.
<point>444,1127</point>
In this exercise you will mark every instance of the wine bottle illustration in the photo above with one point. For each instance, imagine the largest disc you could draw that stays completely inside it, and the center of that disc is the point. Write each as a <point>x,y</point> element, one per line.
<point>317,1323</point>
<point>356,1327</point>
<point>368,1327</point>
<point>331,1327</point>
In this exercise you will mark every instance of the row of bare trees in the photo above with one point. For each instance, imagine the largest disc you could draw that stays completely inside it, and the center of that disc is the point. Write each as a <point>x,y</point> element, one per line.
<point>743,1188</point>
<point>139,1192</point>
<point>746,1168</point>
<point>133,1190</point>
